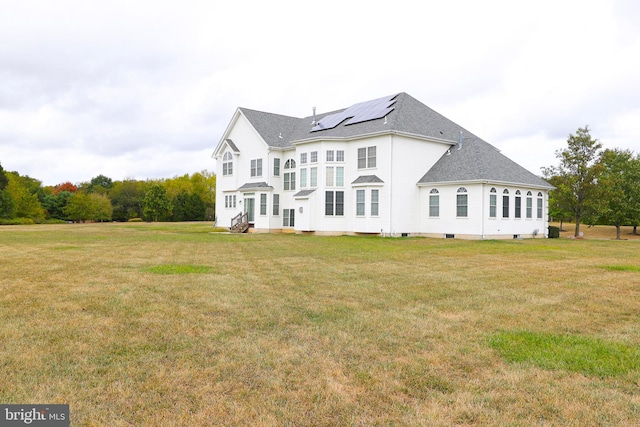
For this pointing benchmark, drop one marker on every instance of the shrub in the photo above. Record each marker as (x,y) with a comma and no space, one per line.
(134,220)
(554,232)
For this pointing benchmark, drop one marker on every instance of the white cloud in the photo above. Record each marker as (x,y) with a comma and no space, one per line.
(145,89)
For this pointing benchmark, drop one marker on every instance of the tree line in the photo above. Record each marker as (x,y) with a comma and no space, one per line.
(23,200)
(594,185)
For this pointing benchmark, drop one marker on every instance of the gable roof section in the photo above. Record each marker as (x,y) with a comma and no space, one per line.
(232,145)
(275,129)
(477,160)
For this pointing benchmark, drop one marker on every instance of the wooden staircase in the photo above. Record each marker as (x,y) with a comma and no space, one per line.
(240,223)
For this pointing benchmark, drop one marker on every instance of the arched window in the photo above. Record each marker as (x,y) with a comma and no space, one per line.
(529,205)
(505,203)
(227,164)
(518,204)
(539,210)
(493,203)
(434,203)
(289,177)
(462,202)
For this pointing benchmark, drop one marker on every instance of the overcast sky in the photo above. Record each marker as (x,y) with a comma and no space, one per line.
(145,89)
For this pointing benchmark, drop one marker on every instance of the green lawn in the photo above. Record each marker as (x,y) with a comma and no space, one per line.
(171,324)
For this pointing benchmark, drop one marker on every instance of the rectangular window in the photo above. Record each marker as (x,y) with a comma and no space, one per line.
(371,157)
(461,205)
(314,157)
(329,176)
(276,167)
(290,181)
(529,207)
(366,157)
(374,202)
(263,204)
(288,216)
(303,178)
(339,176)
(313,177)
(340,156)
(505,206)
(362,158)
(227,168)
(539,210)
(330,155)
(334,203)
(518,207)
(230,201)
(434,205)
(493,205)
(256,167)
(276,204)
(303,158)
(360,202)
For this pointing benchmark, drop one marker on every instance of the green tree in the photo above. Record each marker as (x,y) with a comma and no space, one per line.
(156,203)
(23,191)
(54,204)
(576,184)
(126,197)
(102,208)
(100,184)
(188,207)
(619,189)
(78,208)
(6,202)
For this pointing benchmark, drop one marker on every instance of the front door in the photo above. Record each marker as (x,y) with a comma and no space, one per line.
(249,208)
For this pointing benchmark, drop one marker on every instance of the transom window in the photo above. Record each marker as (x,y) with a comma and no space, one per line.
(303,158)
(339,155)
(366,157)
(227,164)
(330,155)
(314,157)
(462,202)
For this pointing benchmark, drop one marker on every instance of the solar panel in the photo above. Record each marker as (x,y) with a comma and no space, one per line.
(358,113)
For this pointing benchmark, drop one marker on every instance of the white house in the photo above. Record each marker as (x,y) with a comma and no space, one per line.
(390,166)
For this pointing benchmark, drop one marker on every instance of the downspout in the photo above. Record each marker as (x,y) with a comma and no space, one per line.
(482,209)
(391,189)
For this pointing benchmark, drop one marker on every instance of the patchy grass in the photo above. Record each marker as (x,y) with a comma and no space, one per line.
(622,267)
(307,330)
(178,269)
(586,355)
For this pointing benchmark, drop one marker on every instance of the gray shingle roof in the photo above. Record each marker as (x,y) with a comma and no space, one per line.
(477,160)
(367,179)
(255,186)
(232,145)
(303,193)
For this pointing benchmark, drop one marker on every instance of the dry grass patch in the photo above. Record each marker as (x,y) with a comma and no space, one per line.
(307,330)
